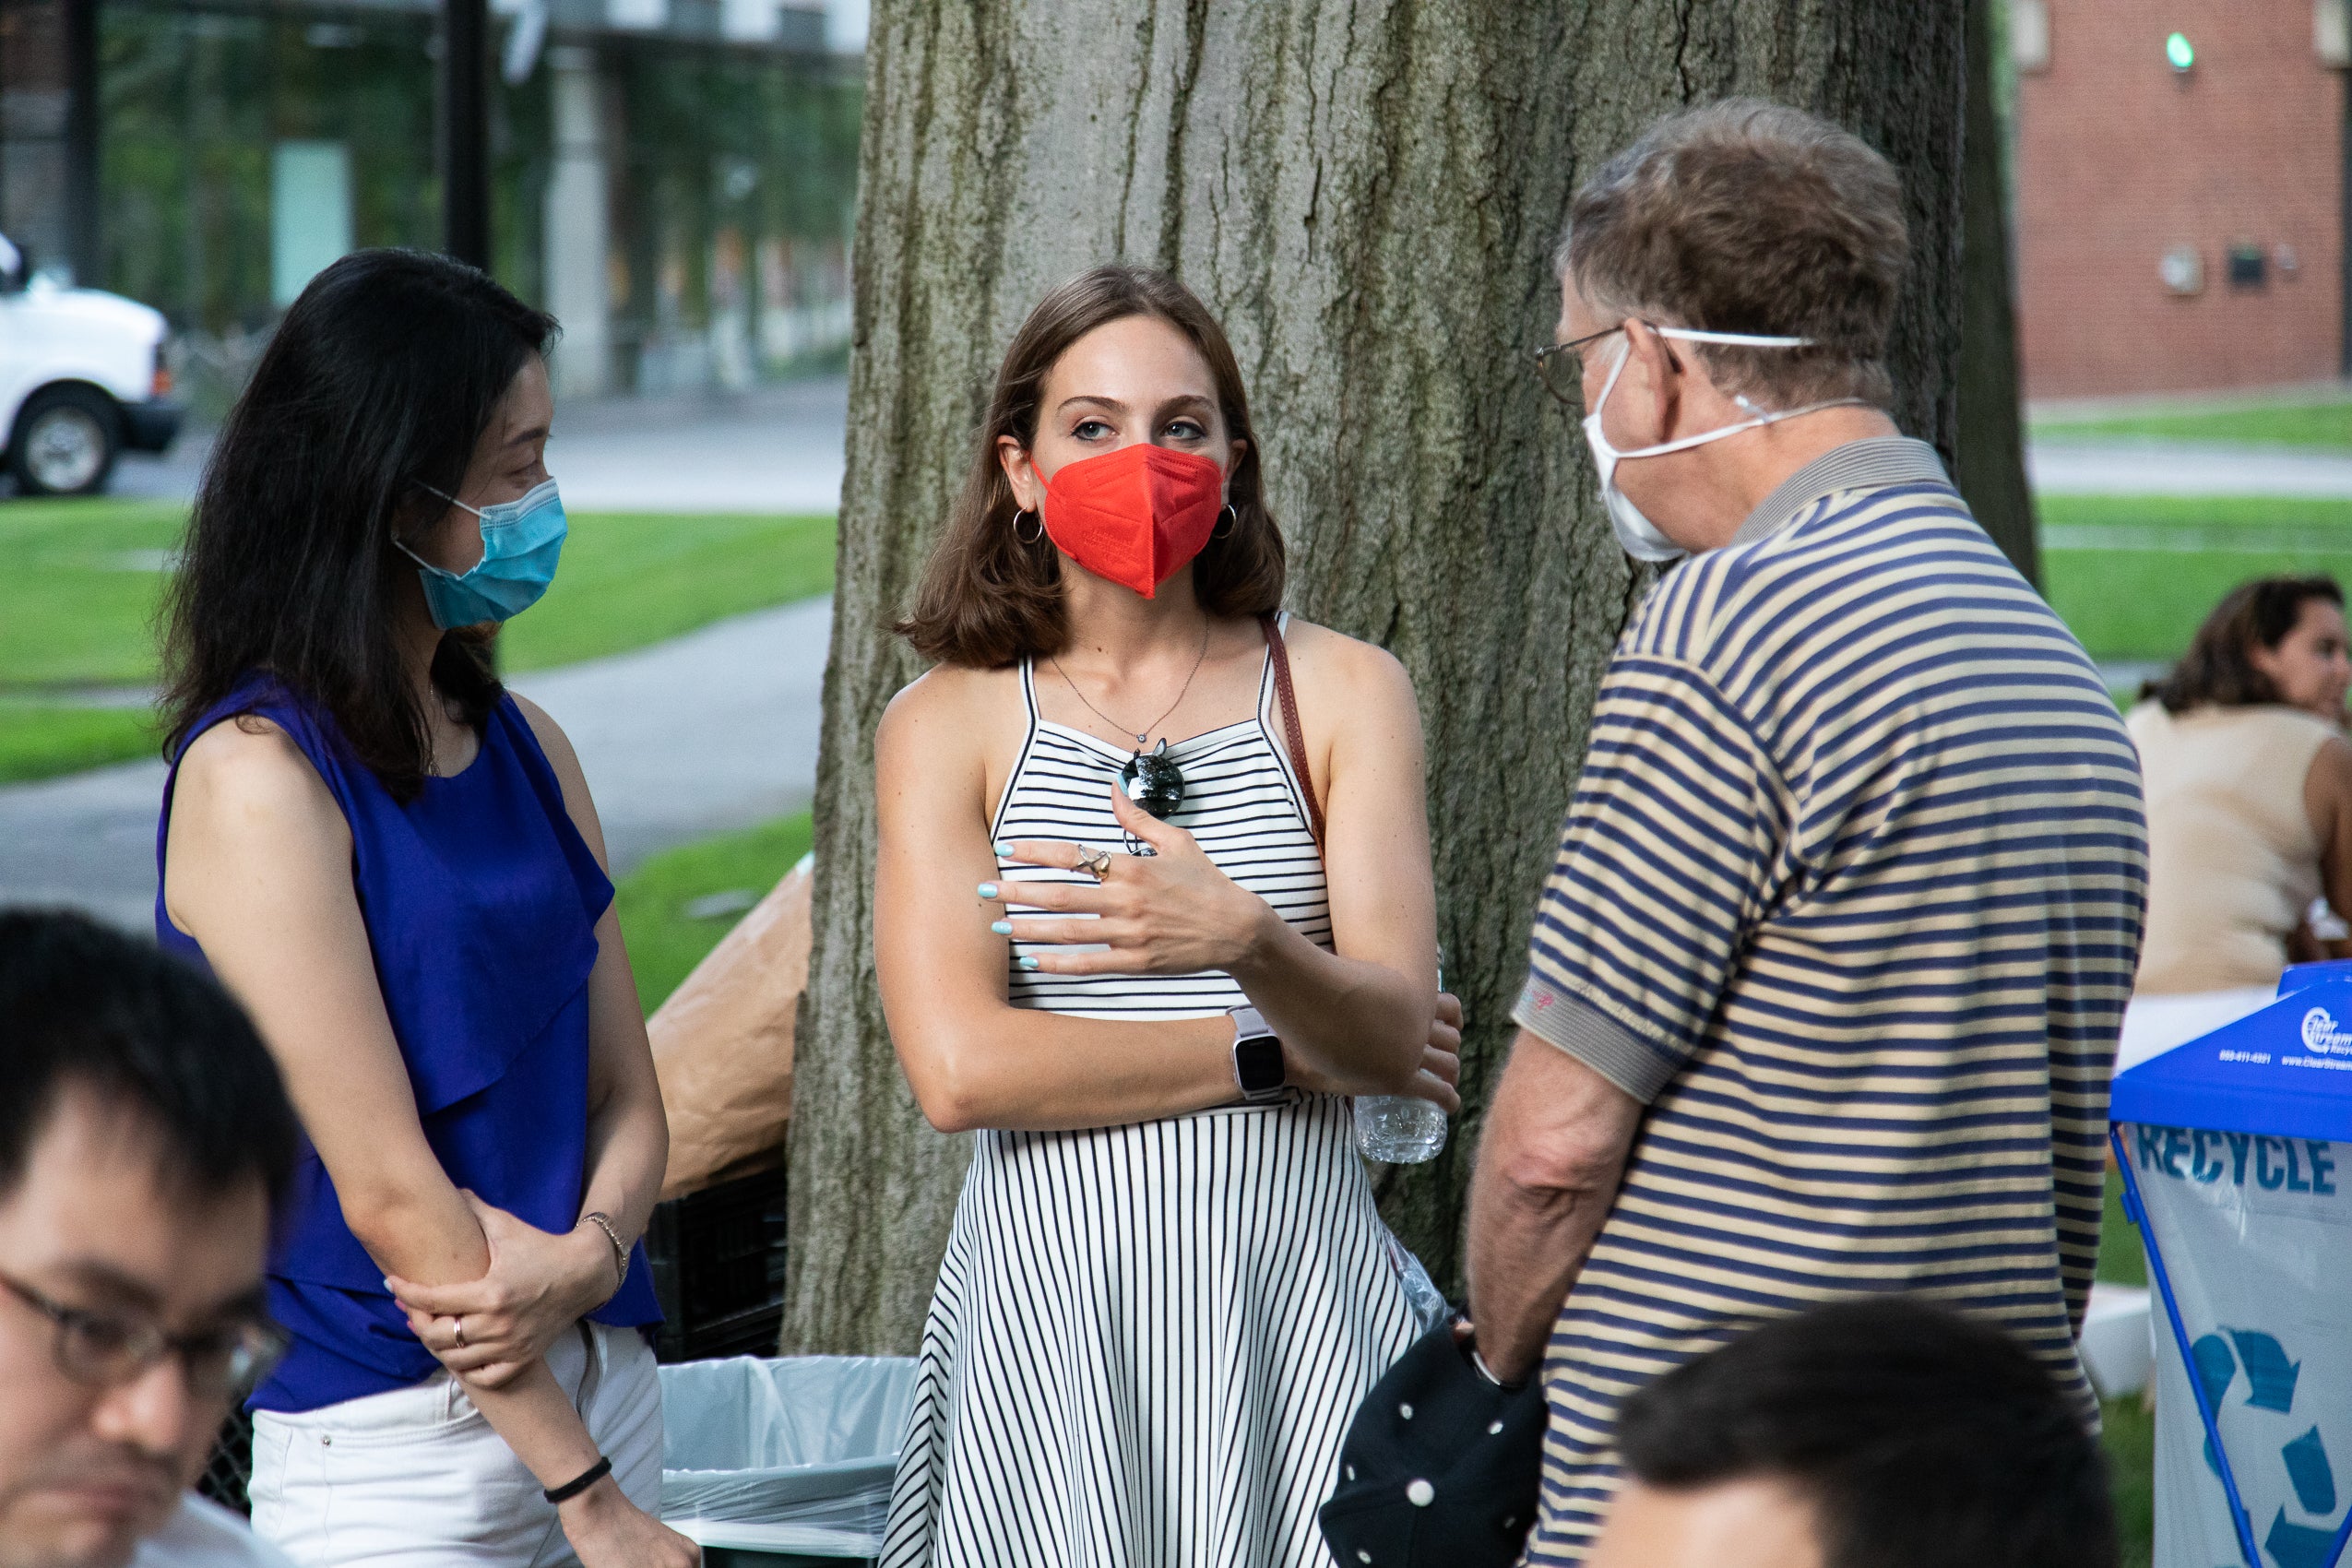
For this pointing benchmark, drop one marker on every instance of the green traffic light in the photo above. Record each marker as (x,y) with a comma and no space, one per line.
(2181,52)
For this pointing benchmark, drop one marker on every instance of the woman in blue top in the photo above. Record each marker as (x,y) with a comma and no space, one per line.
(396,865)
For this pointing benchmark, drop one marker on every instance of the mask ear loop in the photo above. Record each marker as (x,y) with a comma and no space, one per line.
(1037,521)
(402,545)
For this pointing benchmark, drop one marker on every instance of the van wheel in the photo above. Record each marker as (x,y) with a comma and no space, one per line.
(64,442)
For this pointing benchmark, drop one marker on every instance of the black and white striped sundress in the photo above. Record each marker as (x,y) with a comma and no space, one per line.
(1148,1341)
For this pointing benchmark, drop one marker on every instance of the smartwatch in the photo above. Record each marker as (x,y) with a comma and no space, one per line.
(1257,1056)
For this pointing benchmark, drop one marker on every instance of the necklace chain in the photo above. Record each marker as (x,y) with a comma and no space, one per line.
(1142,734)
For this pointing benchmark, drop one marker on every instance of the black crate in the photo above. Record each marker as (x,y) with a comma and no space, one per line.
(230,1466)
(717,1258)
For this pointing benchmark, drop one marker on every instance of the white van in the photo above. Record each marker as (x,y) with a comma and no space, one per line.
(81,378)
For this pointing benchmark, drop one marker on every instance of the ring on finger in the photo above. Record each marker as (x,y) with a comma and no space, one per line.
(1095,860)
(461,1332)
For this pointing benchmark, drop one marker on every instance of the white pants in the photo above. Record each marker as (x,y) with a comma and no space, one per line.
(417,1479)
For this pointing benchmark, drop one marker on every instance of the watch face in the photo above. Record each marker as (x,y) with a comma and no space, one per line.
(1257,1061)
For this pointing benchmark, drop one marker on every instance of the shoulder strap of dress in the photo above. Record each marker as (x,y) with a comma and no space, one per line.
(1288,696)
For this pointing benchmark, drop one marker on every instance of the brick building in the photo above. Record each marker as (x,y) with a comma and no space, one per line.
(2180,183)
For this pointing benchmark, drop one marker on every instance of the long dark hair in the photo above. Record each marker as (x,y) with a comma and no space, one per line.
(2218,668)
(379,382)
(987,598)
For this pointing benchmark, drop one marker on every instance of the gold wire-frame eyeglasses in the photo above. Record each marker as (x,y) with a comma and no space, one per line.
(1562,368)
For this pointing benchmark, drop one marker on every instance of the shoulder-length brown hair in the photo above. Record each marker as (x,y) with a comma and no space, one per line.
(2218,668)
(988,598)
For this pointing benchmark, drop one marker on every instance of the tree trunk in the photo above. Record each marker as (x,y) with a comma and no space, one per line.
(1990,469)
(1368,195)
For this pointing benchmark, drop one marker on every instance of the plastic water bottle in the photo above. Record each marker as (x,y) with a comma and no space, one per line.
(1401,1129)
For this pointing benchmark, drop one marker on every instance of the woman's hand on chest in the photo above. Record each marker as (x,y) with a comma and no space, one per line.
(1170,912)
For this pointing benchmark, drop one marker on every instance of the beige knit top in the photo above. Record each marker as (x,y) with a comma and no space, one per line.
(2233,860)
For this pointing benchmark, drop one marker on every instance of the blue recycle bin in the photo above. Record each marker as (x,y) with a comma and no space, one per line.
(2236,1150)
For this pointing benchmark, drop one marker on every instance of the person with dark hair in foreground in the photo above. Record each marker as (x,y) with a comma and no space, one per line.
(397,865)
(144,1141)
(1883,1432)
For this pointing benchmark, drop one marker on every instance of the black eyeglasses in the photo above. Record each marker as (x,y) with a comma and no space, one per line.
(1563,366)
(109,1350)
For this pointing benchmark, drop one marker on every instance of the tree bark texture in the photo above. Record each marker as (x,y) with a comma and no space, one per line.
(1368,193)
(1990,469)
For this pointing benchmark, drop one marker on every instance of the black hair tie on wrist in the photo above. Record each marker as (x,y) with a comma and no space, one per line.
(572,1489)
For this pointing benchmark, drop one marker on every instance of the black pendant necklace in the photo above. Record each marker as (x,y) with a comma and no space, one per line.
(1153,782)
(1150,780)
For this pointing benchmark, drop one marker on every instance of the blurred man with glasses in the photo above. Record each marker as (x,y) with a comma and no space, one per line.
(144,1141)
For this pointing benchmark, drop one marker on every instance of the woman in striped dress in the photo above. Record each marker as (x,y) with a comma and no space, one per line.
(1167,1287)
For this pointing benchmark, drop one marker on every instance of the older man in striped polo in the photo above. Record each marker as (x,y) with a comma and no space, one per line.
(1828,972)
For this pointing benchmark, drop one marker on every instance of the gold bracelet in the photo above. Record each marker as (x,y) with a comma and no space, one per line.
(620,1253)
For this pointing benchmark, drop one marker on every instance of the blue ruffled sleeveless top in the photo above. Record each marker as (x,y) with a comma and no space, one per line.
(480,900)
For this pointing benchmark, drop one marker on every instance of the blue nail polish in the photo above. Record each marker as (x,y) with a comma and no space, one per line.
(988,890)
(1004,852)
(1026,963)
(1002,927)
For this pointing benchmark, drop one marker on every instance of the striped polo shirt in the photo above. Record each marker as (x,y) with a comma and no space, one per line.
(1849,897)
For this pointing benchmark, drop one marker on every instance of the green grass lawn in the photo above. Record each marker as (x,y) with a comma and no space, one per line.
(80,582)
(2134,575)
(2321,424)
(628,580)
(79,587)
(2130,1428)
(39,740)
(2130,1439)
(665,942)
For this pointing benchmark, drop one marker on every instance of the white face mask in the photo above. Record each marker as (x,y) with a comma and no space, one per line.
(1639,536)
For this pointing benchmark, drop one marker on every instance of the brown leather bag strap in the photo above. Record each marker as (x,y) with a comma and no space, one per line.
(1288,696)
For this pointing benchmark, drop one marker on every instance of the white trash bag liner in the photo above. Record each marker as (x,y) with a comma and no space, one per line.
(2236,1149)
(790,1455)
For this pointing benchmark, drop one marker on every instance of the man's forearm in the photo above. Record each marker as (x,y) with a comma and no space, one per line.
(1527,1249)
(1550,1160)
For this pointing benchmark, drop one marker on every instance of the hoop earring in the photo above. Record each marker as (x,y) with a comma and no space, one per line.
(1028,539)
(1226,523)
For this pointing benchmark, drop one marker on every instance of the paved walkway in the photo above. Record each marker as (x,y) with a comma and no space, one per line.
(770,449)
(2165,468)
(717,729)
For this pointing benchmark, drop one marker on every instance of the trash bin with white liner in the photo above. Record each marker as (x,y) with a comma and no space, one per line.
(2236,1150)
(2116,1342)
(786,1461)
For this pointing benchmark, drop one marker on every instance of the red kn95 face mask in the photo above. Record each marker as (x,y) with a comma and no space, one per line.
(1137,515)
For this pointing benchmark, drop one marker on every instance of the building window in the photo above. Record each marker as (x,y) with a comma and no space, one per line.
(2249,266)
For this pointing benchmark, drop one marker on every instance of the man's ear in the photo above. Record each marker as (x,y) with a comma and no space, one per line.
(1656,371)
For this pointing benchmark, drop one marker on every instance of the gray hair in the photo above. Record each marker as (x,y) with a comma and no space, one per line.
(1744,216)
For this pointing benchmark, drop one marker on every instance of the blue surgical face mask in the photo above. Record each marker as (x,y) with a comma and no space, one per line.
(521,541)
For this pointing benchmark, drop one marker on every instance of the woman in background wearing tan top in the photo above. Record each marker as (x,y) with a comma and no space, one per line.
(2249,781)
